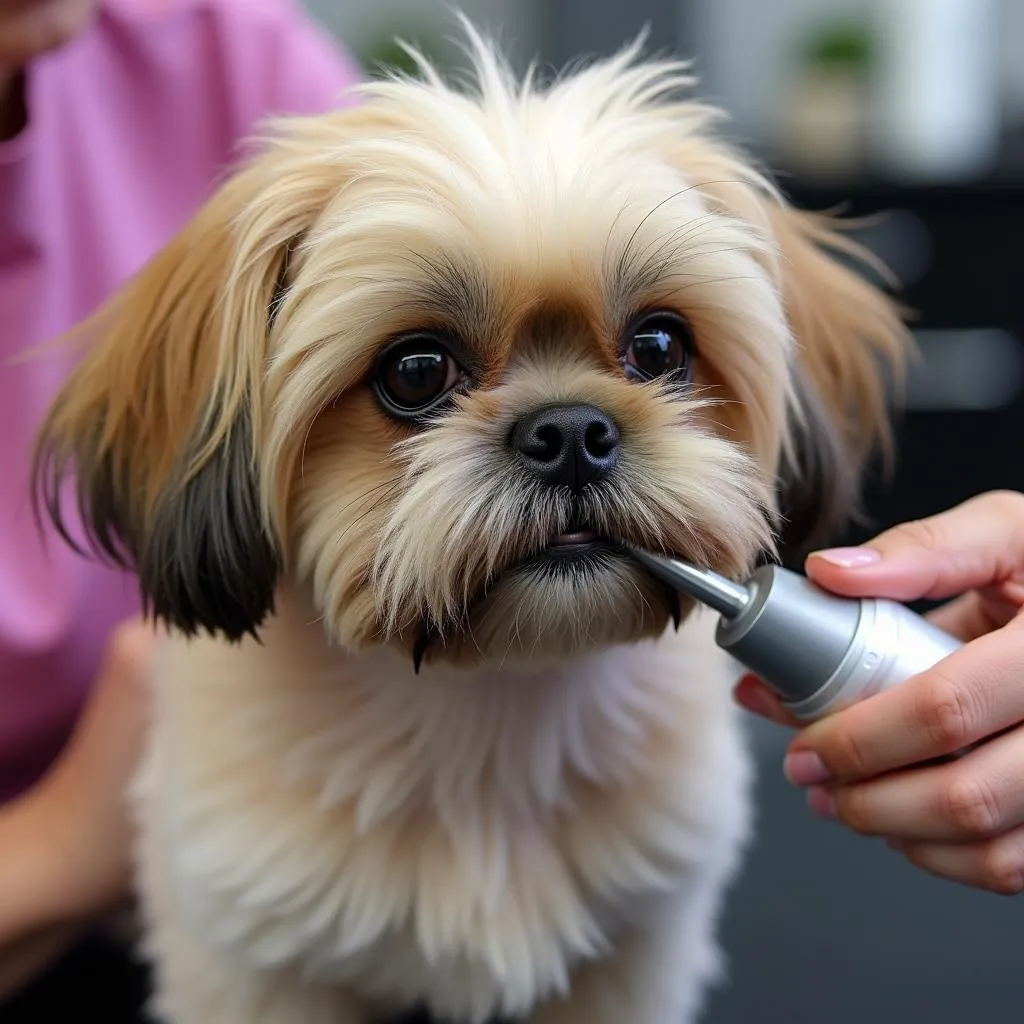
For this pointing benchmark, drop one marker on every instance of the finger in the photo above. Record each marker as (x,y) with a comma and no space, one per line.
(971,694)
(996,865)
(976,613)
(751,694)
(965,617)
(969,546)
(976,797)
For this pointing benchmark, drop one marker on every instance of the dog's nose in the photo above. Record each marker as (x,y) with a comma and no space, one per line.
(568,445)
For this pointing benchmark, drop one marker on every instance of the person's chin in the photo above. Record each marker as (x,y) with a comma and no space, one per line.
(31,28)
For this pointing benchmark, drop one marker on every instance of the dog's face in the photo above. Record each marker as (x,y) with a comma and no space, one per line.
(437,356)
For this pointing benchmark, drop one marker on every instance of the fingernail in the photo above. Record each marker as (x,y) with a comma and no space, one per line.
(849,558)
(822,802)
(805,768)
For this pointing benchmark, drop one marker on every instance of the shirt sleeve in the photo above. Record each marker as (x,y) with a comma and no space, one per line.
(279,61)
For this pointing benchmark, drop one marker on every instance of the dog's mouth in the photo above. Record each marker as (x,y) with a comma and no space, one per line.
(573,539)
(576,552)
(577,542)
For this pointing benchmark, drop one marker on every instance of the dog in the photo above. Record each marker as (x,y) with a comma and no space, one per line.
(373,432)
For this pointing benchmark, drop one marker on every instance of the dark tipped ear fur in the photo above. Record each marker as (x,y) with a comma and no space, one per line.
(158,423)
(203,558)
(207,563)
(820,483)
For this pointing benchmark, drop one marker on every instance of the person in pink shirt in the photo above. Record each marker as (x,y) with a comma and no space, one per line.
(117,118)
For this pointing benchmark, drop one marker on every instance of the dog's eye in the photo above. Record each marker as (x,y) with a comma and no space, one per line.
(415,375)
(658,345)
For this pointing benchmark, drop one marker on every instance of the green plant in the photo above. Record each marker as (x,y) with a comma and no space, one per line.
(845,46)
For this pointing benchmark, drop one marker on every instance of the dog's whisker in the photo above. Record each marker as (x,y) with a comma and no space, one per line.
(627,250)
(674,242)
(379,499)
(386,484)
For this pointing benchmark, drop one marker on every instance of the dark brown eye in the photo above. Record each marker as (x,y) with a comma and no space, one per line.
(658,345)
(416,374)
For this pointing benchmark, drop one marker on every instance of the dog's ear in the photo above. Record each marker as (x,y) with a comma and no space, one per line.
(161,419)
(819,483)
(852,345)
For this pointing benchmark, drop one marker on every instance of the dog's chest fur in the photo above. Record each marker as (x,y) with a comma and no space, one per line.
(461,838)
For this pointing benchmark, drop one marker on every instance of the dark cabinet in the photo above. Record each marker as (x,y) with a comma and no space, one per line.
(958,253)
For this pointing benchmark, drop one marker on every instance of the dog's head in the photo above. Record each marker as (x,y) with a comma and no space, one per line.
(435,355)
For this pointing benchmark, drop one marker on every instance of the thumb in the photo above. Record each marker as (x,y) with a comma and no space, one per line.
(976,544)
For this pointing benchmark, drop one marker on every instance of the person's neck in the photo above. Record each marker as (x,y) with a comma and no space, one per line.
(12,102)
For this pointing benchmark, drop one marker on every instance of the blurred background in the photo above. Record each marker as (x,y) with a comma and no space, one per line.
(913,109)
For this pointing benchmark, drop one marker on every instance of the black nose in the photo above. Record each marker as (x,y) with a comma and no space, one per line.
(568,445)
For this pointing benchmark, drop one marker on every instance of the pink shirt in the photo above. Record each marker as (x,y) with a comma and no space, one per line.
(129,126)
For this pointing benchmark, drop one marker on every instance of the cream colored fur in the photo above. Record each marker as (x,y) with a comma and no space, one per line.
(543,823)
(354,837)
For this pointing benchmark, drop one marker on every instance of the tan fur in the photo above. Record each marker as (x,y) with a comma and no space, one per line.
(174,355)
(544,822)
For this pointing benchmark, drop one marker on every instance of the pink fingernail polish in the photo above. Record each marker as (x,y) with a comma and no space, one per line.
(805,768)
(849,558)
(822,802)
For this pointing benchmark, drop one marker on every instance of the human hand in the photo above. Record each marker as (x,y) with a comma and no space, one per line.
(875,766)
(80,806)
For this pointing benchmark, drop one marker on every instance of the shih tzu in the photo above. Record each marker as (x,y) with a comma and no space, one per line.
(370,432)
